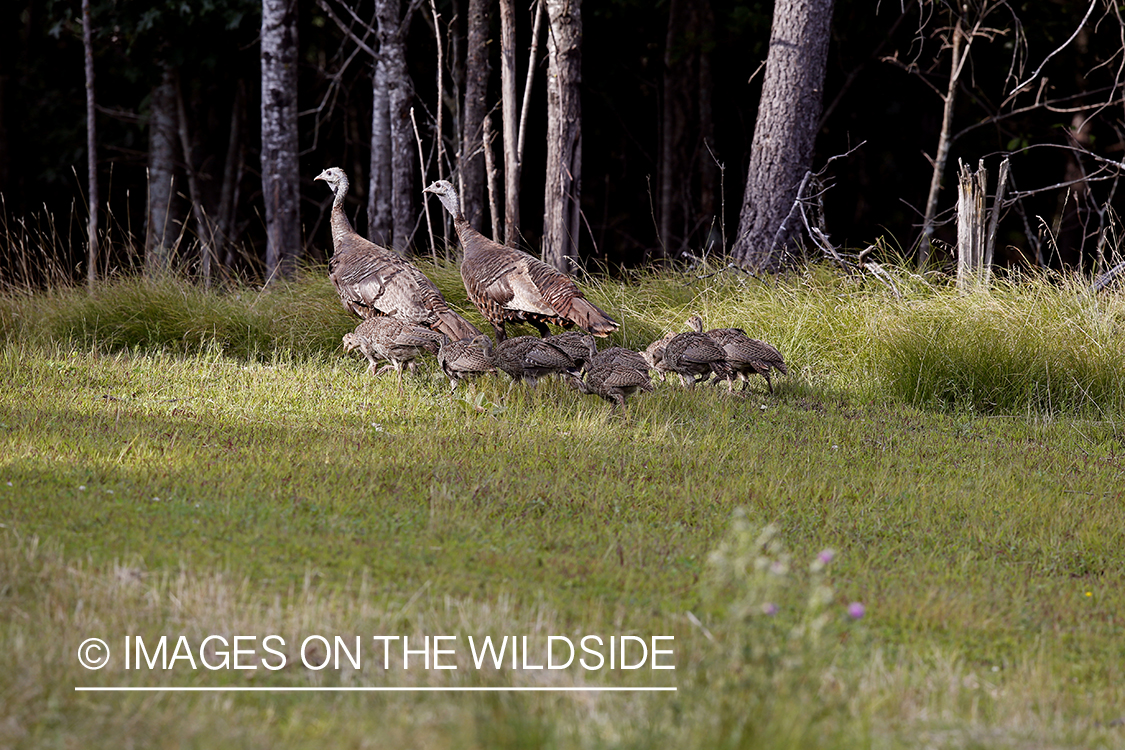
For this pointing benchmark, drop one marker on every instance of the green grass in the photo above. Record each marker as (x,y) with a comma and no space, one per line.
(182,462)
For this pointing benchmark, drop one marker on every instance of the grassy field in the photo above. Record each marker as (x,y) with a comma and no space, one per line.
(187,463)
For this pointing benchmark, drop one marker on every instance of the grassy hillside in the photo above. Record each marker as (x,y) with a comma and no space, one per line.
(178,462)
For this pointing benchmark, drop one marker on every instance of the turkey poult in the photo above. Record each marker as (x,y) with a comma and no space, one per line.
(467,358)
(654,354)
(745,355)
(528,358)
(580,346)
(510,286)
(694,357)
(373,280)
(619,356)
(394,340)
(614,376)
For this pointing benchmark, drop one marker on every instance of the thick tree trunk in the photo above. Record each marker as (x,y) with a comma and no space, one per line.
(91,149)
(476,94)
(160,224)
(510,121)
(379,220)
(564,145)
(280,168)
(785,132)
(400,97)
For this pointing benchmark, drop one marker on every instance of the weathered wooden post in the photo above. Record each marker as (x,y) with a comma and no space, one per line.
(971,190)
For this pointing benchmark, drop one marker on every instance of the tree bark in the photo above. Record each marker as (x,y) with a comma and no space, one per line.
(510,123)
(785,132)
(91,149)
(205,234)
(280,168)
(564,144)
(476,95)
(400,97)
(232,178)
(379,219)
(160,231)
(944,141)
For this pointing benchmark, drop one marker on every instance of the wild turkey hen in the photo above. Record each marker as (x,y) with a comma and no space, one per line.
(373,280)
(510,286)
(394,340)
(745,355)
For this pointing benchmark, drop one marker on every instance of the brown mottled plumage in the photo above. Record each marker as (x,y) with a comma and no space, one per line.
(627,357)
(694,356)
(510,286)
(394,340)
(580,346)
(654,354)
(614,375)
(373,280)
(528,358)
(746,356)
(467,358)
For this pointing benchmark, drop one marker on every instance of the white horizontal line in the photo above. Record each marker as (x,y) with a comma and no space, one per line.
(371,689)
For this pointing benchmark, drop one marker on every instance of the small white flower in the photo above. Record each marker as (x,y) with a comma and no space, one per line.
(82,487)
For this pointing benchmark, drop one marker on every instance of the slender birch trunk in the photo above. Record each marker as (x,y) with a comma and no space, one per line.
(944,141)
(160,230)
(564,128)
(91,149)
(400,98)
(476,95)
(379,219)
(510,121)
(280,168)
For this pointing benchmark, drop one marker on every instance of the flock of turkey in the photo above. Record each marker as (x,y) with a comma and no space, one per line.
(405,315)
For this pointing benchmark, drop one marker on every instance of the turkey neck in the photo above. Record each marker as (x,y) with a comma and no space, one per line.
(341,227)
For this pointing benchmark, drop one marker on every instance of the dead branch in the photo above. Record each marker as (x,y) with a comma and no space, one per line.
(1072,37)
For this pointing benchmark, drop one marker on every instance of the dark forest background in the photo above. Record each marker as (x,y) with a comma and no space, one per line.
(886,70)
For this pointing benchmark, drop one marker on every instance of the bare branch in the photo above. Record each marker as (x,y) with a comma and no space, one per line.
(1035,75)
(361,43)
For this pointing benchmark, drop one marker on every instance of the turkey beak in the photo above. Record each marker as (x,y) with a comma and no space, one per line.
(321,176)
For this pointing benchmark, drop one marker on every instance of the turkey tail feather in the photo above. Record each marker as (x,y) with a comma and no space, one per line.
(454,326)
(590,317)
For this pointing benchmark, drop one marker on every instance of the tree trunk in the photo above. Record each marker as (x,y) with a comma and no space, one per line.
(160,230)
(91,149)
(280,168)
(400,97)
(205,234)
(476,94)
(944,140)
(232,177)
(379,220)
(510,121)
(708,169)
(564,145)
(785,132)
